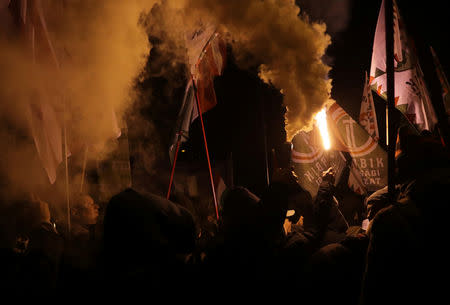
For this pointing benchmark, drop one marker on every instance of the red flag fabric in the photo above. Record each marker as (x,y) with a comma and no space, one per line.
(209,63)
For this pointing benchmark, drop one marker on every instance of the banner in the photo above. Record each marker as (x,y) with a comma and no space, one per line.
(309,159)
(347,135)
(411,95)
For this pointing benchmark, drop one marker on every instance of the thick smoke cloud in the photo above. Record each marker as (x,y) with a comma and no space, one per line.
(289,47)
(101,48)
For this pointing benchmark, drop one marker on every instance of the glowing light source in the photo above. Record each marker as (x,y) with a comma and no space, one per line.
(321,122)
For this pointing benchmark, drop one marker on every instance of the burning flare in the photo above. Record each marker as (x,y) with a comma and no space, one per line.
(321,122)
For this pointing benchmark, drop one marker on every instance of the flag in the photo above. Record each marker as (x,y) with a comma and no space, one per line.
(411,95)
(45,127)
(207,56)
(347,135)
(444,82)
(310,160)
(367,115)
(210,64)
(369,168)
(220,187)
(355,179)
(47,136)
(196,43)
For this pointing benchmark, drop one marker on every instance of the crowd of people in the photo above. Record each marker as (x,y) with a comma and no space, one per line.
(310,249)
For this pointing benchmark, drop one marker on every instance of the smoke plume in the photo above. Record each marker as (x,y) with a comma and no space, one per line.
(289,47)
(101,47)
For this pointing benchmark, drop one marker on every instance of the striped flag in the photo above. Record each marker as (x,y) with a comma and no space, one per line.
(369,168)
(309,159)
(347,135)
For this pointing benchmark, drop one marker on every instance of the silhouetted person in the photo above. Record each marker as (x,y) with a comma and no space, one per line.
(406,260)
(147,240)
(37,251)
(80,268)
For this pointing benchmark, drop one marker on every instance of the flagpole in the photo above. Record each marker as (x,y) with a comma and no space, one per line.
(391,130)
(206,146)
(174,163)
(67,171)
(266,158)
(179,135)
(83,172)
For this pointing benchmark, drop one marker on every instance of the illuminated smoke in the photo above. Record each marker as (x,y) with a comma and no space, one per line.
(102,48)
(289,47)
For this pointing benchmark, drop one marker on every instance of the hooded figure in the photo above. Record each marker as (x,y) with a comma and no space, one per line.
(147,239)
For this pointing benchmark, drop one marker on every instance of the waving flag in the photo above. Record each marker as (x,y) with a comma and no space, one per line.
(369,168)
(309,159)
(210,64)
(411,94)
(44,124)
(47,135)
(207,56)
(367,115)
(348,135)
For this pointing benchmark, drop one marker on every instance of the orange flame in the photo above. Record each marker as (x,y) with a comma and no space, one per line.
(321,122)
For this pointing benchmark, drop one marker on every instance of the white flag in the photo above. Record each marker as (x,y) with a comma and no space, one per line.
(47,135)
(411,94)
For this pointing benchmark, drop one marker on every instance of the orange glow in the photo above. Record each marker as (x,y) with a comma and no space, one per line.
(321,122)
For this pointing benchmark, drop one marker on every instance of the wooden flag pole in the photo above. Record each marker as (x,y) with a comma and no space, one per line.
(391,130)
(206,147)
